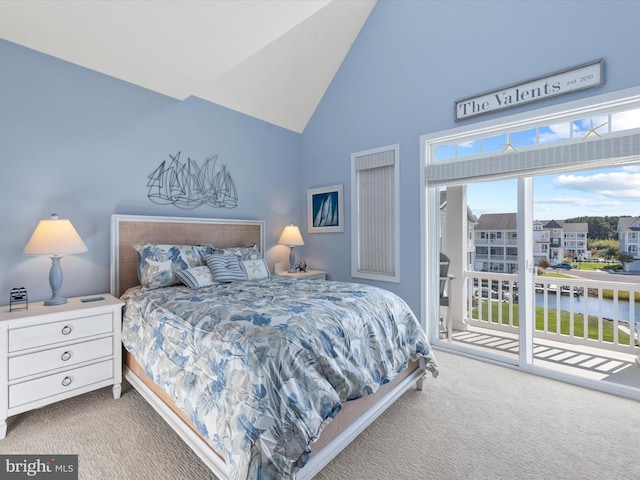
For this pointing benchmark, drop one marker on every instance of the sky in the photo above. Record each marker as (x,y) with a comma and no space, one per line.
(613,191)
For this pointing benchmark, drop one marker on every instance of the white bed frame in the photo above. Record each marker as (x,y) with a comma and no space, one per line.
(201,448)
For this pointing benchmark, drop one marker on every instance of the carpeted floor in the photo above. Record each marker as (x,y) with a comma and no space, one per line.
(475,421)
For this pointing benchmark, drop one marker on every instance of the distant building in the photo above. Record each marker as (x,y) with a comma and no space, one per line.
(575,239)
(629,239)
(496,242)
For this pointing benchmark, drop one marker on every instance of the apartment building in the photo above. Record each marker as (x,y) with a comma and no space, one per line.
(629,240)
(496,242)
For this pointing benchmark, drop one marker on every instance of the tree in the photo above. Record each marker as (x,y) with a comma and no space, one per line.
(598,247)
(624,258)
(544,263)
(610,253)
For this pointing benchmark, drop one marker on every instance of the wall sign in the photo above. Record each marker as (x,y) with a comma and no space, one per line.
(572,79)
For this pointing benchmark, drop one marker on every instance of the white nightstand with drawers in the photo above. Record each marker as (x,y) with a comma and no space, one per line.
(309,274)
(51,353)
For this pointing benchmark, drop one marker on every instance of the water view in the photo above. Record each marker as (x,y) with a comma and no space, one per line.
(591,306)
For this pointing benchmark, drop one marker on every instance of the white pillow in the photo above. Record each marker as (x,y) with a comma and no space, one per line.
(256,269)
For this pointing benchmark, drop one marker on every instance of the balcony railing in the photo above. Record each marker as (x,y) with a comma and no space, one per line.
(574,311)
(495,241)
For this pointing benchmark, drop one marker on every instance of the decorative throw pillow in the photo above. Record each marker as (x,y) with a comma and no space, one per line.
(157,263)
(226,268)
(256,269)
(245,253)
(196,277)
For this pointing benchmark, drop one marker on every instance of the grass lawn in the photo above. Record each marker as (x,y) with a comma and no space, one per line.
(597,266)
(578,322)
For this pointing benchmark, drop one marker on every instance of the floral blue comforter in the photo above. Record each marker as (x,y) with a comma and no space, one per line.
(262,366)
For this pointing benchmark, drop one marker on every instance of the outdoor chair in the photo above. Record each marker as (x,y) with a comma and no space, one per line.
(445,323)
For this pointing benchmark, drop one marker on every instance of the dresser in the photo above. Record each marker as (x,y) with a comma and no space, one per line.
(51,353)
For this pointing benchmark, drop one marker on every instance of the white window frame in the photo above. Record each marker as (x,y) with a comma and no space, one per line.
(355,218)
(590,106)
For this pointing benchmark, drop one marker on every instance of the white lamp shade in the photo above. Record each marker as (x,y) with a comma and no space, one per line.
(54,237)
(291,236)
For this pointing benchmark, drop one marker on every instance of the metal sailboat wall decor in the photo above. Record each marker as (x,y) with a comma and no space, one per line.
(188,185)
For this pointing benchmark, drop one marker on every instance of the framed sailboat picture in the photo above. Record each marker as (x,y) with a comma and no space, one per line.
(325,209)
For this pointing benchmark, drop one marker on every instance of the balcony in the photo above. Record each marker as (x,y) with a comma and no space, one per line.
(586,327)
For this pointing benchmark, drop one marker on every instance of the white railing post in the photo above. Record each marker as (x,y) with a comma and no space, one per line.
(526,268)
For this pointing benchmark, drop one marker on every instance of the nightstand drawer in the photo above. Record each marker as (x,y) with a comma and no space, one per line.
(48,386)
(23,365)
(63,331)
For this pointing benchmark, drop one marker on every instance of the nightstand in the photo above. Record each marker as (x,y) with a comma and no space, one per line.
(309,274)
(51,353)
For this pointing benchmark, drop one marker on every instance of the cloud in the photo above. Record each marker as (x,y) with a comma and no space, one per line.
(568,207)
(625,120)
(577,201)
(619,184)
(553,133)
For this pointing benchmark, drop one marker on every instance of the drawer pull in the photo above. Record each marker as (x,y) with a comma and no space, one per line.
(66,381)
(65,356)
(66,330)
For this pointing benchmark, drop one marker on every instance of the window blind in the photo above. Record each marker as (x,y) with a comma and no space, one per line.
(614,150)
(375,202)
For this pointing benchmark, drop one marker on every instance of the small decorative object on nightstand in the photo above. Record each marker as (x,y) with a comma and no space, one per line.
(18,299)
(309,274)
(51,353)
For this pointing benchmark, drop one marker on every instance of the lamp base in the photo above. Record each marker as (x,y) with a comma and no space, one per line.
(55,300)
(55,281)
(292,260)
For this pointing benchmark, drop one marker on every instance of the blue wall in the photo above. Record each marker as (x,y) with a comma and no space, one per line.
(409,64)
(82,144)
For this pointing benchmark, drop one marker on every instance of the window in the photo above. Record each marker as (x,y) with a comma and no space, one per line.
(570,137)
(375,203)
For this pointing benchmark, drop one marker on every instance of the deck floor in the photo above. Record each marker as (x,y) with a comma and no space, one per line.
(594,363)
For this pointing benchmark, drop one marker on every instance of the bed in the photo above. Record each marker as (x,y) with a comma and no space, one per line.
(256,375)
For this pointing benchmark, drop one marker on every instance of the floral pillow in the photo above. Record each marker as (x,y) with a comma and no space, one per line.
(245,253)
(226,268)
(157,263)
(256,269)
(196,277)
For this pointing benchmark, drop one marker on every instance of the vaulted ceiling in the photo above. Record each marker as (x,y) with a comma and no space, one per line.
(271,59)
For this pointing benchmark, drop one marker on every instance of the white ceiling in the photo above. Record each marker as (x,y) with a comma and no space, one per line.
(271,59)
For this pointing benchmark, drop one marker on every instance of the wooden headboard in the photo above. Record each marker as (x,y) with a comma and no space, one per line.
(128,230)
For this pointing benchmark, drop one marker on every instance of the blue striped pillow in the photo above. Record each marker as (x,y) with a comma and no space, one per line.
(226,268)
(196,277)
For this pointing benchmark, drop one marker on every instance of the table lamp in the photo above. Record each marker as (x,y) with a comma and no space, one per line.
(291,237)
(55,237)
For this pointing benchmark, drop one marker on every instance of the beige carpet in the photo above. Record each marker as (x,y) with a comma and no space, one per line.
(475,421)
